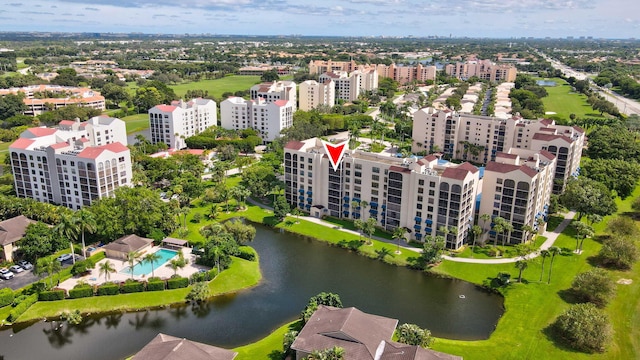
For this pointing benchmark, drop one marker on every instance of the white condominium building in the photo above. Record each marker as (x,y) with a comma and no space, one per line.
(271,92)
(517,186)
(172,124)
(421,195)
(312,94)
(73,165)
(349,85)
(268,118)
(480,138)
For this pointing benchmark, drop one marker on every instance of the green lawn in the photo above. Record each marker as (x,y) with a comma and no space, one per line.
(4,150)
(564,102)
(218,86)
(272,344)
(136,122)
(241,274)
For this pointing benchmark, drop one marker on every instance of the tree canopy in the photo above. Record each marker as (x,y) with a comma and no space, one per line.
(586,196)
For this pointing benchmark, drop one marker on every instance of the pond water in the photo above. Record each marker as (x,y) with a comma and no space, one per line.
(294,269)
(546,82)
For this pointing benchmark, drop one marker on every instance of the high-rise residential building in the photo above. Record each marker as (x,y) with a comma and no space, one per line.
(348,86)
(268,118)
(483,69)
(421,195)
(517,187)
(172,124)
(312,94)
(480,138)
(317,67)
(278,90)
(74,164)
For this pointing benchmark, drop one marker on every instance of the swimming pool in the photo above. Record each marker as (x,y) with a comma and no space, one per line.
(144,267)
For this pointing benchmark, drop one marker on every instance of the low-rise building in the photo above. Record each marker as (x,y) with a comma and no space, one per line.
(38,98)
(483,69)
(172,124)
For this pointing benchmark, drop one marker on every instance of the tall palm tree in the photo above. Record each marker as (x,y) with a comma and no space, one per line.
(106,269)
(476,231)
(399,234)
(68,228)
(527,230)
(369,228)
(355,205)
(544,254)
(359,225)
(521,265)
(217,252)
(364,204)
(583,231)
(485,218)
(554,250)
(152,258)
(133,257)
(86,222)
(47,266)
(445,233)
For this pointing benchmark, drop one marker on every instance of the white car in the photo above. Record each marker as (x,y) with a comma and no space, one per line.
(16,269)
(25,264)
(6,274)
(64,257)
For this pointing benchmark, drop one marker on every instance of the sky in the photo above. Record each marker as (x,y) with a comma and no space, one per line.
(458,18)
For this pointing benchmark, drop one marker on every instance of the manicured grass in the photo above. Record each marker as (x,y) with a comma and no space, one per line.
(136,122)
(4,313)
(218,86)
(348,224)
(483,252)
(241,274)
(564,102)
(272,344)
(4,150)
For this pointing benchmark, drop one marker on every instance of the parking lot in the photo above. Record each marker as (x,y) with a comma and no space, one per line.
(27,277)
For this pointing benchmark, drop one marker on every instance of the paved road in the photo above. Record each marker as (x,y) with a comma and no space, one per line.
(27,277)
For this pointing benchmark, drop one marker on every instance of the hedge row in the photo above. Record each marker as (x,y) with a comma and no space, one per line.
(132,287)
(81,292)
(6,297)
(52,295)
(23,306)
(108,289)
(177,283)
(156,285)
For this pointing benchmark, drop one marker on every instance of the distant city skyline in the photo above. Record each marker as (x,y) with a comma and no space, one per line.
(420,18)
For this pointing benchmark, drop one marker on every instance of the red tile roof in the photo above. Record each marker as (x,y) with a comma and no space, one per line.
(547,154)
(399,169)
(578,129)
(506,155)
(550,137)
(66,122)
(94,152)
(42,131)
(21,143)
(507,168)
(431,158)
(294,145)
(459,172)
(546,121)
(166,108)
(59,145)
(281,103)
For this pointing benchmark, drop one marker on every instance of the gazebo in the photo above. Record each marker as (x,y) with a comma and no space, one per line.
(174,244)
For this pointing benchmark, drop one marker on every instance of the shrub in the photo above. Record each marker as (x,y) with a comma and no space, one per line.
(247,254)
(6,297)
(583,327)
(412,334)
(132,287)
(22,307)
(177,283)
(156,285)
(35,288)
(82,267)
(199,277)
(52,295)
(81,292)
(199,292)
(18,299)
(619,252)
(108,289)
(213,273)
(594,286)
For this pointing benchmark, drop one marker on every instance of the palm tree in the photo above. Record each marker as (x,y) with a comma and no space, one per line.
(476,231)
(47,266)
(68,228)
(527,230)
(369,228)
(521,265)
(445,233)
(582,232)
(359,225)
(86,222)
(364,204)
(399,234)
(133,258)
(106,269)
(544,254)
(554,250)
(485,218)
(152,258)
(217,251)
(355,206)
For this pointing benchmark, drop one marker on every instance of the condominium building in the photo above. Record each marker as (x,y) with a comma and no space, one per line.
(348,86)
(278,90)
(407,73)
(480,138)
(38,98)
(422,195)
(268,118)
(517,186)
(312,94)
(74,164)
(172,124)
(483,69)
(317,67)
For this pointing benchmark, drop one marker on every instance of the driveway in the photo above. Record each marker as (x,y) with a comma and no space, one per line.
(26,278)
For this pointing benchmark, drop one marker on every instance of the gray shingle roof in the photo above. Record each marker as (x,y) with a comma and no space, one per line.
(166,347)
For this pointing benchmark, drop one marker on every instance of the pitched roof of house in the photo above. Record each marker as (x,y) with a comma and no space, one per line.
(21,143)
(12,230)
(507,168)
(358,333)
(128,243)
(166,347)
(459,172)
(294,145)
(95,151)
(41,131)
(392,350)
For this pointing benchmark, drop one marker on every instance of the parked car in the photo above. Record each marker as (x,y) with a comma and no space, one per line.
(6,274)
(16,269)
(64,257)
(25,264)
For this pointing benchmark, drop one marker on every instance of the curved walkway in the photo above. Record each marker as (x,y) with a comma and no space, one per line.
(550,235)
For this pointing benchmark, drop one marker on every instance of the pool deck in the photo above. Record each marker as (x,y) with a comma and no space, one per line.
(163,271)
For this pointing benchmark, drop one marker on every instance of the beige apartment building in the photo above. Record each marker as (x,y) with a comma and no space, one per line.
(483,69)
(313,93)
(348,86)
(480,138)
(517,186)
(408,73)
(421,195)
(274,91)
